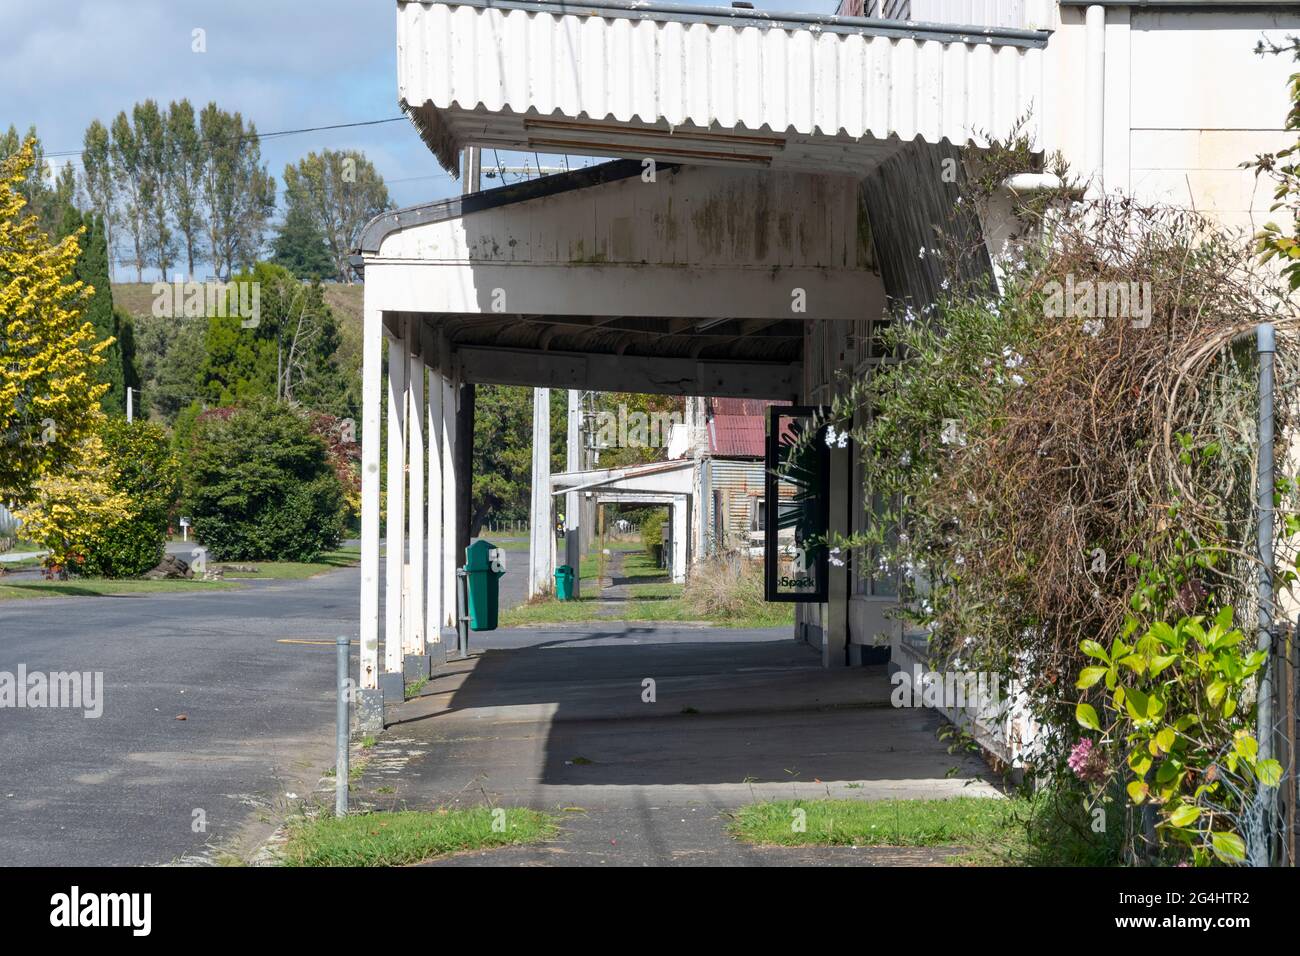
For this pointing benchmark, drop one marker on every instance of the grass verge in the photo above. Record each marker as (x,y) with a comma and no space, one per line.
(409,836)
(1033,831)
(119,587)
(103,587)
(548,610)
(983,824)
(683,609)
(290,570)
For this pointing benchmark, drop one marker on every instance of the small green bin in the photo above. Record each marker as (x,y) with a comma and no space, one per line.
(564,582)
(483,570)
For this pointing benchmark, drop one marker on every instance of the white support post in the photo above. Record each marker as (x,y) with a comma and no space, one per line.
(573,462)
(449,562)
(680,513)
(396,533)
(415,457)
(1094,97)
(434,595)
(371,384)
(541,538)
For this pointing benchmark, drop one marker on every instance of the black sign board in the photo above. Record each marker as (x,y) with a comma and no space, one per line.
(797,490)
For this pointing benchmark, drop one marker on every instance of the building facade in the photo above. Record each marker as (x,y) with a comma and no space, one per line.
(773,184)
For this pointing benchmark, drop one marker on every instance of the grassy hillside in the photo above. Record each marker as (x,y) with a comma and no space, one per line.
(345,300)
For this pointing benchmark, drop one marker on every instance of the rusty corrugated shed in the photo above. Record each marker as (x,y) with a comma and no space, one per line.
(737,490)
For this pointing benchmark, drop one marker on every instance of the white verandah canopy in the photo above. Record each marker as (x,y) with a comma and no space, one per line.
(694,266)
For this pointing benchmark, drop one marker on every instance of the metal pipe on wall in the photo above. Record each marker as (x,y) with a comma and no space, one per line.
(1095,95)
(1266,346)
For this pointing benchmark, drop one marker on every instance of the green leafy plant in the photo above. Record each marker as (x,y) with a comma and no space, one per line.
(1282,242)
(652,531)
(144,469)
(1170,699)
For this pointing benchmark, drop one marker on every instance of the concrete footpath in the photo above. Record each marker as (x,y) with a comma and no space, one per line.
(643,737)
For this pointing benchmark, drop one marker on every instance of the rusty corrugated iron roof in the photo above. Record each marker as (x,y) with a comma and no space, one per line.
(736,436)
(738,426)
(741,406)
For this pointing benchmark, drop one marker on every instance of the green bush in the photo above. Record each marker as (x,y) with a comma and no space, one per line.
(260,487)
(652,531)
(145,469)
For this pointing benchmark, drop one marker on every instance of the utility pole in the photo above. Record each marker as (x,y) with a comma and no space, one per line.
(130,406)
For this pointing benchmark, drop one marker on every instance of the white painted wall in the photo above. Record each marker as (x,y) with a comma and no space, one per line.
(699,216)
(1187,100)
(700,241)
(1024,14)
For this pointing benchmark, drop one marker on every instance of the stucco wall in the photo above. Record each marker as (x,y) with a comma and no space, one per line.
(1187,100)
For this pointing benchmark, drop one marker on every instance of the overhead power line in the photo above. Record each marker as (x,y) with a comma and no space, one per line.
(260,136)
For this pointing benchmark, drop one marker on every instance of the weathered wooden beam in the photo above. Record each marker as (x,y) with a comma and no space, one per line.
(624,373)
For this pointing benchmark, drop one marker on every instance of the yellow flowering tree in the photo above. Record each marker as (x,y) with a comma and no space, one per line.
(69,511)
(49,356)
(52,461)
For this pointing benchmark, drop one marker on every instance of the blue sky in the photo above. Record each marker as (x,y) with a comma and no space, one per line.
(284,64)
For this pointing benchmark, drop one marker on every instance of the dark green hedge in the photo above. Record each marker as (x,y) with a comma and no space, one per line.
(259,487)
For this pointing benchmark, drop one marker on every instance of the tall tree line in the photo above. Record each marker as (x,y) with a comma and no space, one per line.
(329,197)
(178,185)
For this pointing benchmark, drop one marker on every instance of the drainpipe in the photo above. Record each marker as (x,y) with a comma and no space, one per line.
(1095,95)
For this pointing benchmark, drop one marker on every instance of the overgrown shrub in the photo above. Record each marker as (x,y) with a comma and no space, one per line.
(143,468)
(726,586)
(1060,473)
(260,486)
(652,531)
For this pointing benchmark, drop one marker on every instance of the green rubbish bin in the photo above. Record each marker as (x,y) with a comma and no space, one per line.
(484,565)
(564,582)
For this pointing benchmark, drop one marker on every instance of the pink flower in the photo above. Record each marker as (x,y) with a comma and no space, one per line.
(1088,762)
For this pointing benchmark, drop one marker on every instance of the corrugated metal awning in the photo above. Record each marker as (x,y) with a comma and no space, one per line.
(704,85)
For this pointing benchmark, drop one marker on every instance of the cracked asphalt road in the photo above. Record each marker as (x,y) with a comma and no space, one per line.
(130,786)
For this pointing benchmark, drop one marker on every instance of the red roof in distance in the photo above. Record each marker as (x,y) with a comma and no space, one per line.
(738,426)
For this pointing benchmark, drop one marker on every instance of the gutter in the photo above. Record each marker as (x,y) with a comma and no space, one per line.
(385,224)
(741,17)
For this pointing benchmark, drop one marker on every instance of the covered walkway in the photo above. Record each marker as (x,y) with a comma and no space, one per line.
(770,182)
(554,718)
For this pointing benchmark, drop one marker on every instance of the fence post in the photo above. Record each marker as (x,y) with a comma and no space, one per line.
(1261,849)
